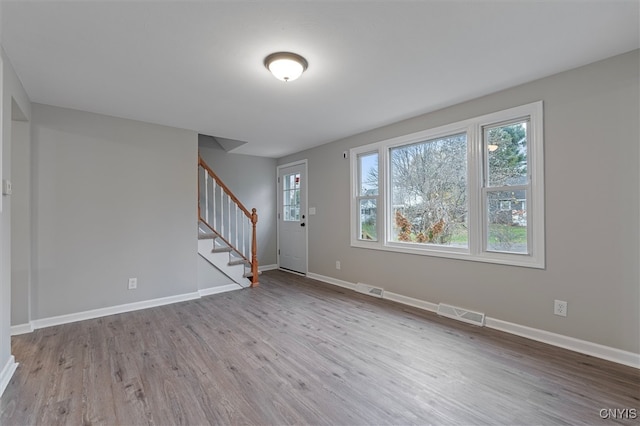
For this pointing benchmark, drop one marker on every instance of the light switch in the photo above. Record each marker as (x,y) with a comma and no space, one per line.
(312,211)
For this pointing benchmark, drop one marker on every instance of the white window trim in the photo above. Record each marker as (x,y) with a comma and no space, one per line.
(475,158)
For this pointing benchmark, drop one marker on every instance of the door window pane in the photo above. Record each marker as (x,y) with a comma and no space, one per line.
(291,197)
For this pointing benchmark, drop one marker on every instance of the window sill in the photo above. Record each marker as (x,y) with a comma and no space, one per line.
(520,260)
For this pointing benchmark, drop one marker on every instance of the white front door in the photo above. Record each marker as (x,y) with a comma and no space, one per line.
(292,217)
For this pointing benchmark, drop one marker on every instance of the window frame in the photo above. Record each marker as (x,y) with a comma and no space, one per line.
(477,190)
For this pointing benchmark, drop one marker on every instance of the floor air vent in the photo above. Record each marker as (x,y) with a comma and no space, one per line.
(475,318)
(370,290)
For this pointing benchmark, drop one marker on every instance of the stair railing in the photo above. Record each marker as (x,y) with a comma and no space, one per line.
(227,218)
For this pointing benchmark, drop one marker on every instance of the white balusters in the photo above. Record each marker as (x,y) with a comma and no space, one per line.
(235,216)
(227,221)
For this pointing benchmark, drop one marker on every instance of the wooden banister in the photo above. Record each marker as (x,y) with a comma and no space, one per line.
(252,216)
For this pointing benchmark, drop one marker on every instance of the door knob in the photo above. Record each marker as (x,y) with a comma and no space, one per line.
(302,224)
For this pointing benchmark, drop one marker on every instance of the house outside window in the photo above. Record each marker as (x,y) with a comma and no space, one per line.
(469,190)
(367,196)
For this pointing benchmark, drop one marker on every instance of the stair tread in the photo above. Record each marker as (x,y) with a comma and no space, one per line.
(221,250)
(206,236)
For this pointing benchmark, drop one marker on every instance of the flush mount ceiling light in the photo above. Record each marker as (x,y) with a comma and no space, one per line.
(285,66)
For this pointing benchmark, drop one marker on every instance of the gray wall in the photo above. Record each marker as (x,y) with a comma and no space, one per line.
(12,91)
(20,221)
(253,181)
(113,199)
(592,157)
(209,276)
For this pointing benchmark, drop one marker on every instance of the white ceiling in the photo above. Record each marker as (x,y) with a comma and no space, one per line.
(198,65)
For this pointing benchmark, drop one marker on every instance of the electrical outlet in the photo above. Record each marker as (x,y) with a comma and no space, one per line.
(337,264)
(133,283)
(560,308)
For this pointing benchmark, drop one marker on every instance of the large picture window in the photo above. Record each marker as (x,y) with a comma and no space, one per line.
(469,190)
(428,184)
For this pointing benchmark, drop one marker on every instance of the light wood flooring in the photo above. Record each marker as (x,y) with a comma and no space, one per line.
(297,351)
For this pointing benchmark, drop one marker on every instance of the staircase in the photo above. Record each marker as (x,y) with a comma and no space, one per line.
(226,229)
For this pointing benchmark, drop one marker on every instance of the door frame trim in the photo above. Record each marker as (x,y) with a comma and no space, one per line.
(305,185)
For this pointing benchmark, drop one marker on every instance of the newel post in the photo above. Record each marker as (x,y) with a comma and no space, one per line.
(254,249)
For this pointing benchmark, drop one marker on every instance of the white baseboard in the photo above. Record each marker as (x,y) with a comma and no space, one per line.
(262,268)
(220,289)
(582,346)
(21,329)
(119,309)
(7,372)
(330,280)
(406,300)
(588,348)
(112,310)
